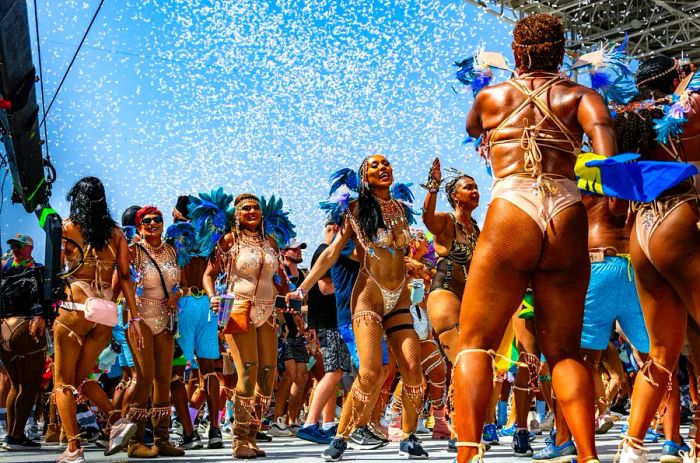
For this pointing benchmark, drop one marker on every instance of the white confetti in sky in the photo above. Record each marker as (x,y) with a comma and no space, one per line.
(170,97)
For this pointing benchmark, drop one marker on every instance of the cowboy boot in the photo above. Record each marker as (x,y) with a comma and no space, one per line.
(137,447)
(160,418)
(244,414)
(261,404)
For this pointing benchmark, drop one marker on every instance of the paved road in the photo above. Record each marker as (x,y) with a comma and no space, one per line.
(291,450)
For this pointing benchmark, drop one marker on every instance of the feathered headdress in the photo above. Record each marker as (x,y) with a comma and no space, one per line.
(211,217)
(475,72)
(183,238)
(277,223)
(610,72)
(670,125)
(345,187)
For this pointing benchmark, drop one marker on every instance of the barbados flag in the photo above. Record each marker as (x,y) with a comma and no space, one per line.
(624,177)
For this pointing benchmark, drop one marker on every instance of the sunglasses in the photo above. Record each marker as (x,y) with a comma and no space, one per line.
(148,220)
(16,245)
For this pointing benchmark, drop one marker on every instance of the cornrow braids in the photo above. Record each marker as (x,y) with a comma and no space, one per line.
(635,127)
(451,187)
(370,213)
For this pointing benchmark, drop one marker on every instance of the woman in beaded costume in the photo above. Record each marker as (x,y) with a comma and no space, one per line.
(250,260)
(380,304)
(95,248)
(152,343)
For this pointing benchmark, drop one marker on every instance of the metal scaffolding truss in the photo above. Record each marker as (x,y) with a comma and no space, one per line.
(654,26)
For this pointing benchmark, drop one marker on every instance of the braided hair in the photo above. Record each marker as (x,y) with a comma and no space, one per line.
(538,43)
(635,127)
(89,210)
(370,213)
(451,187)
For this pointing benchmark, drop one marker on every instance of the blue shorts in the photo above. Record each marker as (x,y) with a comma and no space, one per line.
(119,334)
(612,295)
(349,338)
(197,325)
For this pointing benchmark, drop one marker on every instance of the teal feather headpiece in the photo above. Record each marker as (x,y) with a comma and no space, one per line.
(277,222)
(211,216)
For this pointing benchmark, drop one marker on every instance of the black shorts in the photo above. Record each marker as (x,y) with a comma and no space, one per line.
(295,349)
(335,352)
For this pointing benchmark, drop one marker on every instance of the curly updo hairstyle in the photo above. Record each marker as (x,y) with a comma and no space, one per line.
(635,127)
(88,210)
(538,43)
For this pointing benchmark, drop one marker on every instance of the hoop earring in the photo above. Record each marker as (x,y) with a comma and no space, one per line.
(237,224)
(529,60)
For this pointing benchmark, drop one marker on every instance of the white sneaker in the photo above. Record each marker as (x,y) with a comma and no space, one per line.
(3,431)
(420,428)
(71,457)
(631,455)
(279,428)
(688,457)
(691,432)
(31,431)
(535,427)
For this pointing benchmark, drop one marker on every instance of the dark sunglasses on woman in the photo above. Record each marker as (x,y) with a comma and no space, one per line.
(156,219)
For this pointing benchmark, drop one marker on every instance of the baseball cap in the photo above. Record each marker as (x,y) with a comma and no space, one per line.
(295,243)
(24,240)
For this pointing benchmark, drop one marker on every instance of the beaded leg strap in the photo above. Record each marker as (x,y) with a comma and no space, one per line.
(358,403)
(161,412)
(368,317)
(431,362)
(137,413)
(629,441)
(491,353)
(646,375)
(522,389)
(81,396)
(415,394)
(177,378)
(244,409)
(533,369)
(123,384)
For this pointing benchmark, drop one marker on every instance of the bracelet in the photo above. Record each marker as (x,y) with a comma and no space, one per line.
(135,319)
(432,185)
(301,291)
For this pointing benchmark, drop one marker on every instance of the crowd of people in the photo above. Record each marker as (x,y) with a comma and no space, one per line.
(561,313)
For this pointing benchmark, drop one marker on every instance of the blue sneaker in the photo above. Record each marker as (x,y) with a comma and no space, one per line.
(651,436)
(508,432)
(314,434)
(563,453)
(490,434)
(521,444)
(670,452)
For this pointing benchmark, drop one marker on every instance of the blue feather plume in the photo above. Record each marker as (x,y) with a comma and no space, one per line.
(277,222)
(211,217)
(612,76)
(129,232)
(471,76)
(694,84)
(671,124)
(183,238)
(344,177)
(402,193)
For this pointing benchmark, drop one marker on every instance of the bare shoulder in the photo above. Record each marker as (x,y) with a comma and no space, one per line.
(226,242)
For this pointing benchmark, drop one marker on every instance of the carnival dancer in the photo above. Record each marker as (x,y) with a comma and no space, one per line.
(665,242)
(198,335)
(250,260)
(95,247)
(380,228)
(533,127)
(151,330)
(454,237)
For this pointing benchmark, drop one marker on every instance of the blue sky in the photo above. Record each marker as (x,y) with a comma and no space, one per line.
(169,97)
